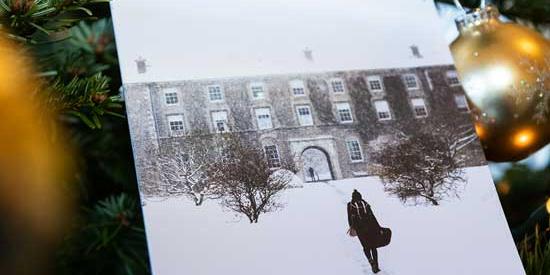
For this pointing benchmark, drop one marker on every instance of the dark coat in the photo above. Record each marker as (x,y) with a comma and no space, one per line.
(362,219)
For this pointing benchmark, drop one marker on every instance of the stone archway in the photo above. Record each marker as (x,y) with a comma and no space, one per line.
(326,144)
(316,164)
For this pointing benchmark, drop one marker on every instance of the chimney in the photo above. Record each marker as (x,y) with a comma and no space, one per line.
(308,54)
(141,65)
(415,51)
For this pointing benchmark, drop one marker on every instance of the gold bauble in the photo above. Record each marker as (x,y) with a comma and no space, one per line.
(33,202)
(504,68)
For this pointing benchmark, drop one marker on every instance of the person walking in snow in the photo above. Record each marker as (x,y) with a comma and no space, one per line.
(364,225)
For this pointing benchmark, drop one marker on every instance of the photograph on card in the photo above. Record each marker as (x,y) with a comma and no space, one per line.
(300,137)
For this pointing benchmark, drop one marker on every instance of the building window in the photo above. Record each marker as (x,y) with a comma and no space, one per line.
(344,112)
(304,115)
(375,83)
(410,81)
(382,110)
(419,107)
(219,121)
(452,78)
(354,150)
(272,155)
(462,103)
(263,118)
(257,90)
(175,123)
(337,85)
(298,87)
(215,93)
(171,97)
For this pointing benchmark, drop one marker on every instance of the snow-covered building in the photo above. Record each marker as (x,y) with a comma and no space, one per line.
(330,121)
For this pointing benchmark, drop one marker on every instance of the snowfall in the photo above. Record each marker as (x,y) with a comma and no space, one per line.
(466,235)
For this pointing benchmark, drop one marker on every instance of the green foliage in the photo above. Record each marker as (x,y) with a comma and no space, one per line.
(86,98)
(107,236)
(75,68)
(535,253)
(89,50)
(72,44)
(111,240)
(522,191)
(72,55)
(33,21)
(75,57)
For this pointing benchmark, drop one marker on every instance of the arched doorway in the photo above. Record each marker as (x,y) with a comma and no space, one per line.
(316,165)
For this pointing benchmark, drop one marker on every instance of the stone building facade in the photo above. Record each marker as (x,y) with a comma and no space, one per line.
(339,117)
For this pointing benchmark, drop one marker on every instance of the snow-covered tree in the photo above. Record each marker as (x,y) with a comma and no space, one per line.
(424,167)
(248,183)
(186,171)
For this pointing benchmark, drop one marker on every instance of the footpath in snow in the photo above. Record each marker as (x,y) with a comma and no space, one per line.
(468,235)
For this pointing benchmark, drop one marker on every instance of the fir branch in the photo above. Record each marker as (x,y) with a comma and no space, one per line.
(111,238)
(26,18)
(85,98)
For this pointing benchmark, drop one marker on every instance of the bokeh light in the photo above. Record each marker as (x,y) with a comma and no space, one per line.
(479,130)
(523,138)
(528,46)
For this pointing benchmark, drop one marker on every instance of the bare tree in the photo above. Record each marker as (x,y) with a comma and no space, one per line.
(249,183)
(185,172)
(425,167)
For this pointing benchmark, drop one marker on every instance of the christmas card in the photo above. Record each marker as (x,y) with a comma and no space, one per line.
(305,137)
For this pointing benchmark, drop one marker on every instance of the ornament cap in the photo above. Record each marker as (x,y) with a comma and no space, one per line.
(477,17)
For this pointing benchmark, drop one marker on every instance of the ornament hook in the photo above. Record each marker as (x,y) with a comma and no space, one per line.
(459,6)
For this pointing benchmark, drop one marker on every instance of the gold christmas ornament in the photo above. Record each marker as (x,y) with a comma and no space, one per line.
(33,164)
(505,71)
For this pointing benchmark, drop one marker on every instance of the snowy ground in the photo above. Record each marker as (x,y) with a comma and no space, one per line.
(466,236)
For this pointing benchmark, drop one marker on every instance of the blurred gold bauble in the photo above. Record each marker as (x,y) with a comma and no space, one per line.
(505,69)
(33,203)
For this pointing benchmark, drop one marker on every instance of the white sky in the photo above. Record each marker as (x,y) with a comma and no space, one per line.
(197,39)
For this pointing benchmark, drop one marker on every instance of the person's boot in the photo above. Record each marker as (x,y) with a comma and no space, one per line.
(375,260)
(373,266)
(377,269)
